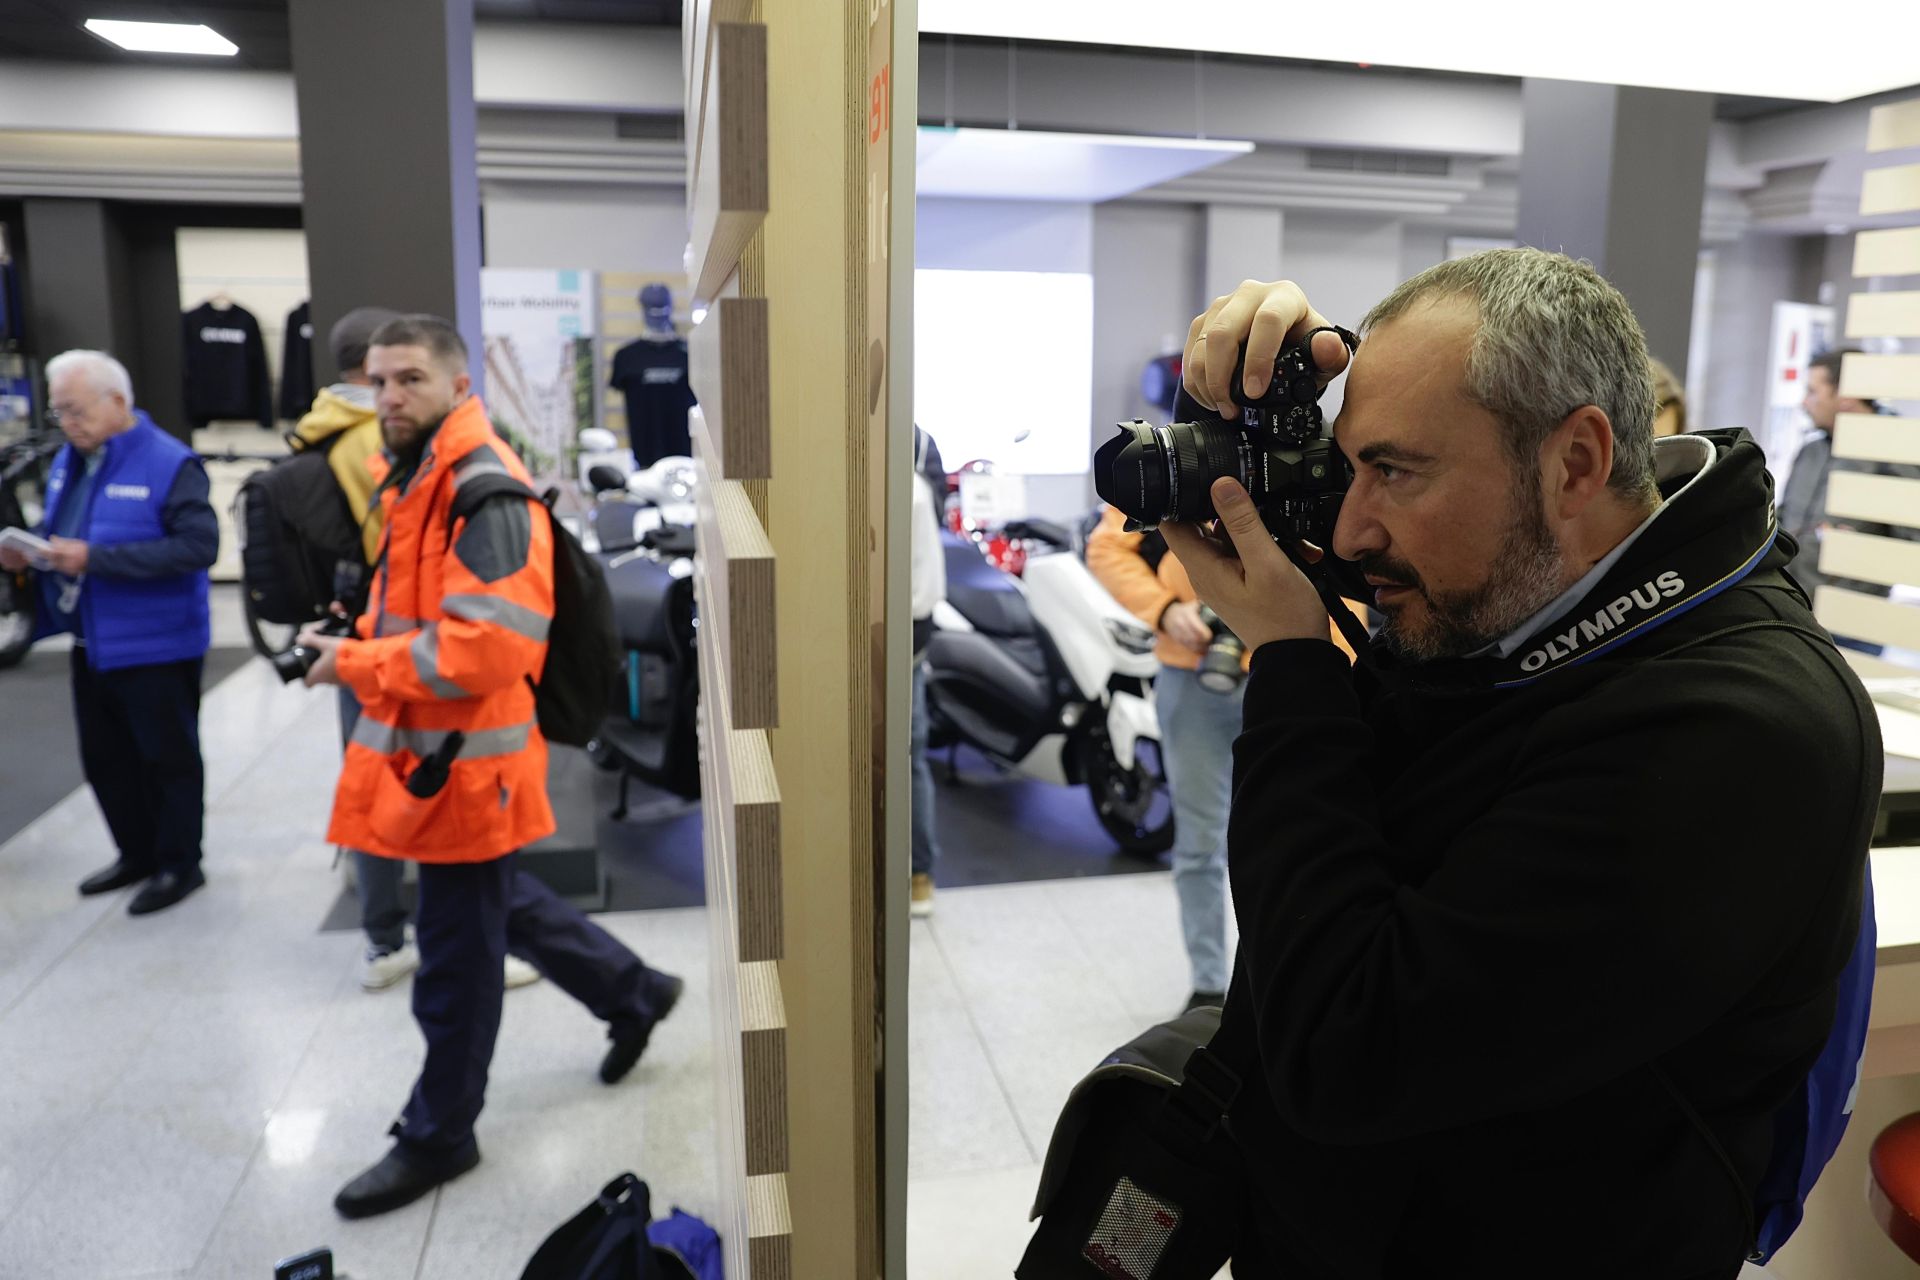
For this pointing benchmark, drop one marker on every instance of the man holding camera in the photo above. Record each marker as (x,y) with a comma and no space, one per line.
(446,766)
(132,536)
(1529,966)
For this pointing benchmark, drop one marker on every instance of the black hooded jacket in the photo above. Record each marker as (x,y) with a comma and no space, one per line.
(1535,947)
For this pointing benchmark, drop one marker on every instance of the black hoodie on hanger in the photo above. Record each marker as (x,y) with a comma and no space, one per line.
(224,364)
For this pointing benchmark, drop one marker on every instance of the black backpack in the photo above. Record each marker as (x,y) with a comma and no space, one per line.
(584,656)
(295,526)
(607,1240)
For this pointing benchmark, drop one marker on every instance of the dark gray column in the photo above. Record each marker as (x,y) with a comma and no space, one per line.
(391,196)
(1617,176)
(74,279)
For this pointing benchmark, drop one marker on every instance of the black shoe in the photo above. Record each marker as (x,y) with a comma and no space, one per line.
(1206,1000)
(630,1036)
(117,876)
(400,1179)
(165,889)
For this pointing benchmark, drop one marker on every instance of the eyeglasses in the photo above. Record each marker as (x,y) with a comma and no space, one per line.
(57,414)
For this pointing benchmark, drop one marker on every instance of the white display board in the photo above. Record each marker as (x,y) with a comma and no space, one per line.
(542,391)
(1003,368)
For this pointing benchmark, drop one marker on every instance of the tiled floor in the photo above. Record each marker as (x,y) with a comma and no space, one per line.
(1016,992)
(184,1093)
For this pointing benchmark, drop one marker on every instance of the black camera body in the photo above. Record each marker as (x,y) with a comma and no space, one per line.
(1278,450)
(297,661)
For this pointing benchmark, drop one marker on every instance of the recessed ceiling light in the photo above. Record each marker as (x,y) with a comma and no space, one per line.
(163,37)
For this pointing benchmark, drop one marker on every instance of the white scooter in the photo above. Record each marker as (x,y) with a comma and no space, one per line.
(1048,676)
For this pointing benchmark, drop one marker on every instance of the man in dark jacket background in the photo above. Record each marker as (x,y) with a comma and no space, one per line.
(132,536)
(1531,950)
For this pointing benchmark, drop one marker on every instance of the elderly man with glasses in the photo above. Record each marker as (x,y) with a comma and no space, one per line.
(130,535)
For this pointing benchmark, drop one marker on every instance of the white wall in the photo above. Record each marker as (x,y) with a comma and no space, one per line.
(1148,260)
(1002,235)
(1749,276)
(592,228)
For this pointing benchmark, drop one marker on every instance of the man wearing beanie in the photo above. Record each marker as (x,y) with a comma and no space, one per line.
(343,423)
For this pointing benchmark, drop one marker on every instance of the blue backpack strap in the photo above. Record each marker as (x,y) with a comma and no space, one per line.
(1808,1127)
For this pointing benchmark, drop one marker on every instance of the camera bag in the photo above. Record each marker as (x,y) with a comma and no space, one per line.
(1143,1180)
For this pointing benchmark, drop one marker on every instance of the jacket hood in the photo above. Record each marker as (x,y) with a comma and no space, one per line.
(335,409)
(1718,526)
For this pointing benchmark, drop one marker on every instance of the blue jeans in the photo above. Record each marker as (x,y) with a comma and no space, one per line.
(1197,729)
(382,913)
(926,850)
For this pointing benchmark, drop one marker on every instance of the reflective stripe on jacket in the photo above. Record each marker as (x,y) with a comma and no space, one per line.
(454,634)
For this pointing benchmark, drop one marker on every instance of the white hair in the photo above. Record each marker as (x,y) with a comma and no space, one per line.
(102,372)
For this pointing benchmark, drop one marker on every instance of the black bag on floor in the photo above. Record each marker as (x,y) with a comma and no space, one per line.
(1142,1179)
(607,1240)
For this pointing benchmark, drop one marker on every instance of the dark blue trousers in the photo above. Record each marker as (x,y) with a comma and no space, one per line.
(470,914)
(139,733)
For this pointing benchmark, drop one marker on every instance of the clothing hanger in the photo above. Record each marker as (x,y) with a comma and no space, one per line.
(221,300)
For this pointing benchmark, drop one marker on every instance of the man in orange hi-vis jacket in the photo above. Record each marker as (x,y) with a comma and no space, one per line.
(447,767)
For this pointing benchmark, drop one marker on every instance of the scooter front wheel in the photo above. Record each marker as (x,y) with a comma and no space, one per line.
(1133,805)
(16,617)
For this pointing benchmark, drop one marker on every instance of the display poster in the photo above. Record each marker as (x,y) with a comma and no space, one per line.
(538,327)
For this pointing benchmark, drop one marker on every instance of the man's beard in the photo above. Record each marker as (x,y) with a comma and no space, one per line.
(407,453)
(1528,572)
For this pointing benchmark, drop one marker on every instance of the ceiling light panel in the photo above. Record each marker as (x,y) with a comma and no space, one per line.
(163,37)
(1764,48)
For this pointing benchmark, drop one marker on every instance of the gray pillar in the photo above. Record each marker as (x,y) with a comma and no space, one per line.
(75,279)
(1618,176)
(388,170)
(1243,243)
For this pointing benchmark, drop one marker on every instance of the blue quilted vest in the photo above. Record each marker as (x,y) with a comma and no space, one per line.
(132,622)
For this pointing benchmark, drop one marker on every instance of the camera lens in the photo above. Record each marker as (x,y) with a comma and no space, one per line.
(1158,474)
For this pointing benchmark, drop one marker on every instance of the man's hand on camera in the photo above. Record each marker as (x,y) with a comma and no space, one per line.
(1181,622)
(326,668)
(1264,317)
(1245,576)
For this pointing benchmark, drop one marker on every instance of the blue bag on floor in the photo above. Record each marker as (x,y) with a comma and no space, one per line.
(692,1242)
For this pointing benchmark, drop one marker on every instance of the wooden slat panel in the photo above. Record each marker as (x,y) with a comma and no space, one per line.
(769,1228)
(728,189)
(727,365)
(1877,437)
(1894,189)
(1880,377)
(1884,315)
(723,960)
(1865,617)
(756,825)
(737,562)
(1868,667)
(1894,252)
(1856,495)
(763,1067)
(1894,126)
(1870,558)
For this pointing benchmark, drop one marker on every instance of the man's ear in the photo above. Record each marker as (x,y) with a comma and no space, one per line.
(1576,461)
(462,386)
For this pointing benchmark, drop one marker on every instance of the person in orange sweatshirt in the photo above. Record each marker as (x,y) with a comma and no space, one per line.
(1197,729)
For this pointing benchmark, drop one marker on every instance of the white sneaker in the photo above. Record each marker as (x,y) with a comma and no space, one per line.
(381,969)
(520,974)
(922,905)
